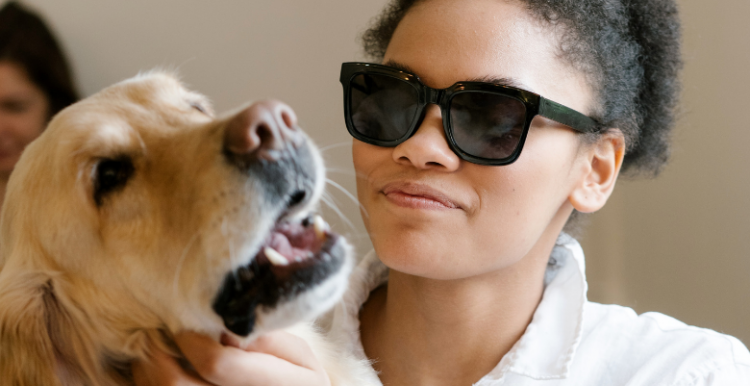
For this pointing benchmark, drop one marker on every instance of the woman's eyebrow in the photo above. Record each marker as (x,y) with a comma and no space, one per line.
(500,81)
(505,81)
(400,66)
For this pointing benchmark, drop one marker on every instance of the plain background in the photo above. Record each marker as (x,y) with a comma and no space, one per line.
(679,244)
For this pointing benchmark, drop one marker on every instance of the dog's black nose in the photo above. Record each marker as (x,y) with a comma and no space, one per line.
(262,131)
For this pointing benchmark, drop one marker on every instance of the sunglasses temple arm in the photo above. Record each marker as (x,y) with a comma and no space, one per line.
(566,116)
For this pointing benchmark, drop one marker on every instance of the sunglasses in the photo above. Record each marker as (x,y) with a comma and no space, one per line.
(485,123)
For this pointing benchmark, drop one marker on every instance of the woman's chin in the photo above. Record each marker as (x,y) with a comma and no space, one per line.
(441,258)
(427,263)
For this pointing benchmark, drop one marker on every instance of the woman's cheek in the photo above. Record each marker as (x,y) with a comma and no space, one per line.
(364,159)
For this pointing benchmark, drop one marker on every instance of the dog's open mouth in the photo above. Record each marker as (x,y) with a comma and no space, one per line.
(294,258)
(291,246)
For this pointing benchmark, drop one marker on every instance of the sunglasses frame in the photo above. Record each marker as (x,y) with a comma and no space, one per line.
(534,104)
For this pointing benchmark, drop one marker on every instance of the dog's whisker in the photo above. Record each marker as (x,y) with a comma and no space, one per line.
(361,175)
(331,204)
(335,145)
(141,142)
(231,251)
(347,194)
(224,227)
(233,259)
(183,256)
(340,171)
(178,68)
(348,172)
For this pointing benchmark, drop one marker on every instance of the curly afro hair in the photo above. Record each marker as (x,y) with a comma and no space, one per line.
(628,49)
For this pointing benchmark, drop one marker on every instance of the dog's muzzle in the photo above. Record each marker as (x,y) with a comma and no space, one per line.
(293,260)
(265,142)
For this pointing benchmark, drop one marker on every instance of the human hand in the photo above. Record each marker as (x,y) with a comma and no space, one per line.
(275,359)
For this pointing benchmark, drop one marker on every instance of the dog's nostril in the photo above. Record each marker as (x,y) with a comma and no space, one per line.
(266,135)
(289,120)
(297,197)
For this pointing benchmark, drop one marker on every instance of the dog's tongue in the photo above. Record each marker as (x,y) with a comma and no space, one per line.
(281,244)
(290,243)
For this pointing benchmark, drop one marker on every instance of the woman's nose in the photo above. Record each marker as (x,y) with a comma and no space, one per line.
(428,148)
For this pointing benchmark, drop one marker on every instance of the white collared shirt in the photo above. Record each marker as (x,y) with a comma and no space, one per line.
(571,341)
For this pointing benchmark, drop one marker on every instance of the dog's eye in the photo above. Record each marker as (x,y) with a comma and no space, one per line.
(111,175)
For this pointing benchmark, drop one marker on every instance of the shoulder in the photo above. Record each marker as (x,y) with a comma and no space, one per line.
(656,348)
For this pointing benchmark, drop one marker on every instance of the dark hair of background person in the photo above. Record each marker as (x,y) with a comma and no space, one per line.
(26,41)
(628,49)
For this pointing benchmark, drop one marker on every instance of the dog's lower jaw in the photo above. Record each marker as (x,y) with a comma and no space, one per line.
(308,305)
(257,300)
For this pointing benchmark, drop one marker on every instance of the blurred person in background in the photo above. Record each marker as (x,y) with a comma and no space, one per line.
(35,83)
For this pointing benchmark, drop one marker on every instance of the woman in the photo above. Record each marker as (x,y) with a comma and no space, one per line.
(472,281)
(35,83)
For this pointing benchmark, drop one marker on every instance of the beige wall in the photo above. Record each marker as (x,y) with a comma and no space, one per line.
(679,244)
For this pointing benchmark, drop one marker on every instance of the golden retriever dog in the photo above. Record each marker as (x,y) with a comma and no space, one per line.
(138,214)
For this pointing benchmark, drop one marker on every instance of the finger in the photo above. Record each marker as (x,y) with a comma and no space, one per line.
(230,366)
(163,370)
(289,347)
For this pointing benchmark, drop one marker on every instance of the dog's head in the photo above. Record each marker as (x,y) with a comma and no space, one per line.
(139,206)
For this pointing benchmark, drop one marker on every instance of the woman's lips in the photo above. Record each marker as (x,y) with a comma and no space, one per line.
(417,196)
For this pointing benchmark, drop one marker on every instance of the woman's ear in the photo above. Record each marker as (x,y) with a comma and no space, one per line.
(602,163)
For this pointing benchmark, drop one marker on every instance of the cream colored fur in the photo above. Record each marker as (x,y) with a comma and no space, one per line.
(85,289)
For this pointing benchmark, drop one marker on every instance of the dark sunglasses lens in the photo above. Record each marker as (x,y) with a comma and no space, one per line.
(382,107)
(487,125)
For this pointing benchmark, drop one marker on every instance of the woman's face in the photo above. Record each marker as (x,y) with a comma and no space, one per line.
(434,215)
(23,114)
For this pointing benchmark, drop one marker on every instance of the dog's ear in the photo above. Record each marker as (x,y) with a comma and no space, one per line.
(38,344)
(27,354)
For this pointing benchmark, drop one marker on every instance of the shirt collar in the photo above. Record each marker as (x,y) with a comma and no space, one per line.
(546,349)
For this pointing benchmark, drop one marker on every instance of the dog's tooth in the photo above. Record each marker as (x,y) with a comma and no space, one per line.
(275,257)
(321,227)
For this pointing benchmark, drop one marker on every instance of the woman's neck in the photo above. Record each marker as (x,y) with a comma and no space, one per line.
(448,332)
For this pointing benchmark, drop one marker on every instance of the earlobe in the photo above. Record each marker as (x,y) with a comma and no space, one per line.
(603,161)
